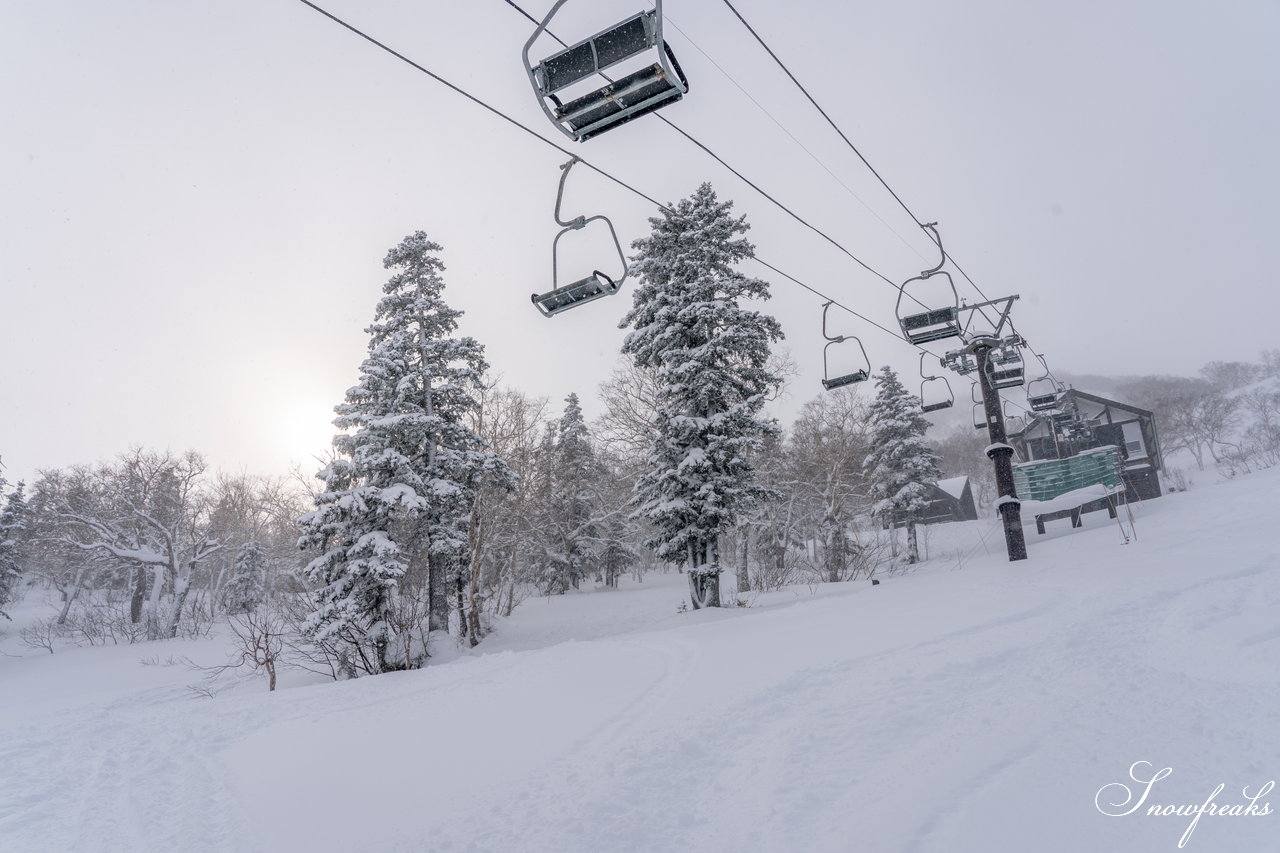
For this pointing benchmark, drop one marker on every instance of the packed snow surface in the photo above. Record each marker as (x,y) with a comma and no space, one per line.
(973,705)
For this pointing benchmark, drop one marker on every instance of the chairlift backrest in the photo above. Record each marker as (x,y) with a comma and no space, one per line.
(618,101)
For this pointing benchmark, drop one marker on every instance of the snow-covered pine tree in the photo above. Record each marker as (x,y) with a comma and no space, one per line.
(13,527)
(711,358)
(571,524)
(900,465)
(616,553)
(246,589)
(391,522)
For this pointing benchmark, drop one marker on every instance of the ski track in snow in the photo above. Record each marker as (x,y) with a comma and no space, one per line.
(972,710)
(122,779)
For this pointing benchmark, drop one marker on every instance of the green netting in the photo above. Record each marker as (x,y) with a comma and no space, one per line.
(1048,478)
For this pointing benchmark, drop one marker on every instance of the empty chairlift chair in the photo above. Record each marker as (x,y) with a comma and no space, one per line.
(979,416)
(979,407)
(1043,392)
(1013,423)
(935,391)
(597,109)
(932,323)
(583,290)
(1005,367)
(859,374)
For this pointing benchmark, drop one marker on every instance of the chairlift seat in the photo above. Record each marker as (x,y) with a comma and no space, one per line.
(847,379)
(619,101)
(936,407)
(580,292)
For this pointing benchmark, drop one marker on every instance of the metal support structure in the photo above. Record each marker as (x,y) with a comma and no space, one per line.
(1001,455)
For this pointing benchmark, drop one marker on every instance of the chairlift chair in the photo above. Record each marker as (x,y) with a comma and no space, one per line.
(937,397)
(618,101)
(931,324)
(1014,423)
(1005,367)
(583,290)
(979,406)
(861,374)
(1042,394)
(979,416)
(1044,391)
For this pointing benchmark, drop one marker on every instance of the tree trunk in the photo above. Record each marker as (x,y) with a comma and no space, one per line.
(834,548)
(913,547)
(704,575)
(744,580)
(69,597)
(466,627)
(139,596)
(181,586)
(474,598)
(437,594)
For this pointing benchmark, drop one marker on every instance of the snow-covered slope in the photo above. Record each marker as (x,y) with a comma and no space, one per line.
(973,708)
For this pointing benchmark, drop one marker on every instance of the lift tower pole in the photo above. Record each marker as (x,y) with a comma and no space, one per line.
(1000,453)
(975,357)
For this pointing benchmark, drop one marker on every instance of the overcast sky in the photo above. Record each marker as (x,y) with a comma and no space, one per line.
(196,197)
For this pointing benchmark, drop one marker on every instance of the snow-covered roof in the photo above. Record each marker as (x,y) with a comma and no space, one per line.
(954,486)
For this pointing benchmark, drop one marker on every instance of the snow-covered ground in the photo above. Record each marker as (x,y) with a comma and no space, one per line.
(974,705)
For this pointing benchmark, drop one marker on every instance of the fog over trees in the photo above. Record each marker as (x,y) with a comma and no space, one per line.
(450,497)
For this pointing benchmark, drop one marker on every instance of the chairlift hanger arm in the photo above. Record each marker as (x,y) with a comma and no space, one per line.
(578,222)
(834,339)
(931,228)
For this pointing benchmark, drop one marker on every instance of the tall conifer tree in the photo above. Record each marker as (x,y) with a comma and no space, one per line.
(391,522)
(13,537)
(900,465)
(571,522)
(710,354)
